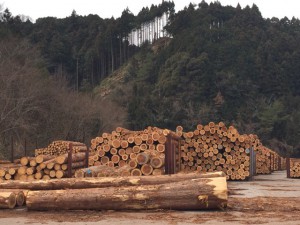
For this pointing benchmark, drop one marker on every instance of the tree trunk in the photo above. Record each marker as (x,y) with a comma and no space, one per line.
(7,200)
(75,158)
(193,194)
(19,194)
(75,183)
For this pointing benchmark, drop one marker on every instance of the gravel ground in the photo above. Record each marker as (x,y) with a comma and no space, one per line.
(268,199)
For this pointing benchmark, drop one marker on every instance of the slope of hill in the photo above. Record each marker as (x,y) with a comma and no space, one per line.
(226,64)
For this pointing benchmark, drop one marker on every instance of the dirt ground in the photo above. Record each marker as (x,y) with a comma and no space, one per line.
(268,199)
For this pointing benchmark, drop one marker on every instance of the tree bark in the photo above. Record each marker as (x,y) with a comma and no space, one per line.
(20,195)
(75,158)
(77,183)
(193,194)
(7,200)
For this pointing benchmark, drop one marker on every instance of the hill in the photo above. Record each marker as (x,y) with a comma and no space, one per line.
(222,63)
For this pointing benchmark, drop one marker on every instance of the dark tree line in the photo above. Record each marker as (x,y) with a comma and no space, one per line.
(86,49)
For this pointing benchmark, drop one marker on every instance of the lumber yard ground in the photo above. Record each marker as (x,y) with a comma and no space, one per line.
(268,199)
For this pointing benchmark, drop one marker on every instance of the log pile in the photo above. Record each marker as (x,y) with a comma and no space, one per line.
(57,148)
(268,161)
(143,151)
(294,169)
(215,147)
(42,167)
(8,170)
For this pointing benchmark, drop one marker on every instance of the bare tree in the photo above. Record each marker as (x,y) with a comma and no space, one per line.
(34,105)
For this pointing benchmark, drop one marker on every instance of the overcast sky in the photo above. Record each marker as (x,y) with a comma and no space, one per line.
(107,8)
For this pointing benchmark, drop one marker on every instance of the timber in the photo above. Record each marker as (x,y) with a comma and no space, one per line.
(20,195)
(75,158)
(194,194)
(102,182)
(7,200)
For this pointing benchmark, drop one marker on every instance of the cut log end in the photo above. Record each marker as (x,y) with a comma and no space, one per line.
(8,200)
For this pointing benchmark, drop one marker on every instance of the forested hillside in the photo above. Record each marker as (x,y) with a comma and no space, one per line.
(221,64)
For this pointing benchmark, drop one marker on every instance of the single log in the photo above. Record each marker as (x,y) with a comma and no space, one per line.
(24,161)
(156,162)
(7,176)
(19,194)
(2,172)
(142,158)
(77,183)
(7,200)
(147,169)
(75,158)
(193,194)
(22,170)
(39,175)
(30,170)
(60,174)
(157,172)
(12,171)
(43,158)
(136,172)
(32,162)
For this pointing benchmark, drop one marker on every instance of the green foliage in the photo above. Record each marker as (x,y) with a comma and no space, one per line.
(228,64)
(222,63)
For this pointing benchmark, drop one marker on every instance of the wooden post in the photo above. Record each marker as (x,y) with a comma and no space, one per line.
(25,147)
(170,158)
(12,149)
(252,163)
(288,167)
(87,158)
(70,160)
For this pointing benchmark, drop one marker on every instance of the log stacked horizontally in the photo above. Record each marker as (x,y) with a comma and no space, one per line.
(42,167)
(57,148)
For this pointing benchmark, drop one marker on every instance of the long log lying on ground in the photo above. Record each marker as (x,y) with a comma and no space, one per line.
(100,182)
(190,194)
(7,200)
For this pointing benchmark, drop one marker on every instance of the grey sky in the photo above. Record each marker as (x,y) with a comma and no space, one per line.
(105,9)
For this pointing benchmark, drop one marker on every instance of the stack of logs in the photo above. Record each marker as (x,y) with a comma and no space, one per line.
(44,166)
(142,152)
(294,168)
(57,148)
(263,160)
(215,147)
(268,161)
